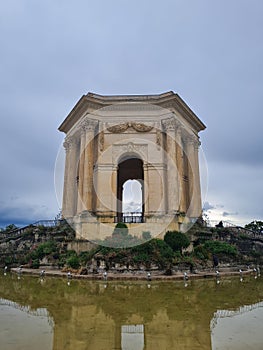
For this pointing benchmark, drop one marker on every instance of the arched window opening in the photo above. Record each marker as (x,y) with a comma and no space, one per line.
(132,197)
(130,191)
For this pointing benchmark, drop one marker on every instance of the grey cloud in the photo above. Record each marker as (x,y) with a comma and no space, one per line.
(23,215)
(132,207)
(208,206)
(225,213)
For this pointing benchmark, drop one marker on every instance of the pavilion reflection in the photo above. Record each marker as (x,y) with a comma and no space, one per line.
(132,337)
(118,315)
(239,328)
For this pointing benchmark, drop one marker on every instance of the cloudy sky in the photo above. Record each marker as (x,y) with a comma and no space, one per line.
(53,52)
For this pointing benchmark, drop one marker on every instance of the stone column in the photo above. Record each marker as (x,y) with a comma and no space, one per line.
(156,202)
(103,181)
(195,207)
(87,185)
(180,156)
(173,193)
(81,159)
(70,178)
(146,190)
(114,189)
(197,184)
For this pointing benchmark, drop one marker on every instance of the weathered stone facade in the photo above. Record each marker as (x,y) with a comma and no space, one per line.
(110,139)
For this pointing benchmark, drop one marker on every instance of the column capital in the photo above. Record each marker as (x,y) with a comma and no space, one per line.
(69,142)
(171,124)
(88,125)
(193,140)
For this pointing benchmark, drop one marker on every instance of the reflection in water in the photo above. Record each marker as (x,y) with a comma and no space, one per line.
(130,315)
(132,337)
(238,329)
(23,328)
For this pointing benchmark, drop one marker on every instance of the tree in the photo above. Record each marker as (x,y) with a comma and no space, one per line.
(11,227)
(256,226)
(73,262)
(176,240)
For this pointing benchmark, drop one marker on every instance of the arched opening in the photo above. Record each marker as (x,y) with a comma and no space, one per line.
(130,191)
(132,197)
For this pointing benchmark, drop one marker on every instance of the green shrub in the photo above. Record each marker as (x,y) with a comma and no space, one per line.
(176,240)
(73,262)
(217,247)
(9,260)
(156,251)
(70,253)
(44,249)
(86,256)
(200,252)
(141,258)
(35,264)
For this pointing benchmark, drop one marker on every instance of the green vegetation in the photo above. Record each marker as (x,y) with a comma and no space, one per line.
(73,261)
(43,250)
(176,240)
(216,247)
(130,252)
(10,228)
(256,226)
(155,251)
(200,252)
(221,249)
(38,252)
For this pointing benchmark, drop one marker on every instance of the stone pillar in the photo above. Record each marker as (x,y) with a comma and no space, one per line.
(156,202)
(146,190)
(180,166)
(87,186)
(195,206)
(196,203)
(81,159)
(197,184)
(70,178)
(103,189)
(172,190)
(114,189)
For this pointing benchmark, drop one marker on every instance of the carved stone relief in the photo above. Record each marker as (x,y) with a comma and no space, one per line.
(70,142)
(129,148)
(139,127)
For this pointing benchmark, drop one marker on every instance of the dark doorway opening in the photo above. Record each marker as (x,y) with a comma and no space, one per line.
(129,169)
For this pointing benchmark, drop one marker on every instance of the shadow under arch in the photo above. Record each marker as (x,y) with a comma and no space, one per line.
(130,167)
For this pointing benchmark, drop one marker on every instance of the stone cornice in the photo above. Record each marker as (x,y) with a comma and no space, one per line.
(81,108)
(178,104)
(91,102)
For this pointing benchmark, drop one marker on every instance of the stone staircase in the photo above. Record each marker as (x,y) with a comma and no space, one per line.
(18,232)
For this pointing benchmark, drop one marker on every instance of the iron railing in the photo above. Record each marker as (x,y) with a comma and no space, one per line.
(130,218)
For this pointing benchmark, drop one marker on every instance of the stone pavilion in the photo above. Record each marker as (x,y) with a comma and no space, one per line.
(150,139)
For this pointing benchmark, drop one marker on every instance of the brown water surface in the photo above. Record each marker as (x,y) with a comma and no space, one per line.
(60,315)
